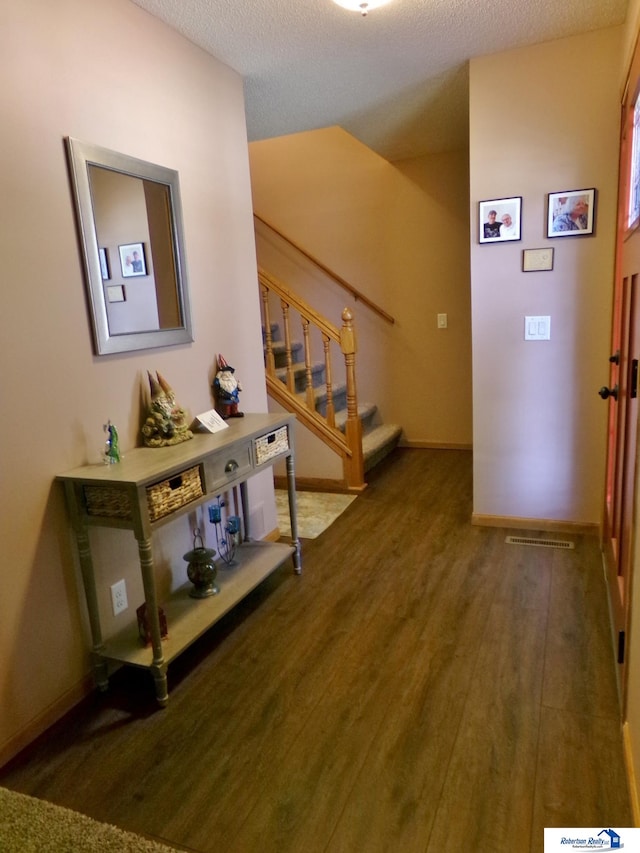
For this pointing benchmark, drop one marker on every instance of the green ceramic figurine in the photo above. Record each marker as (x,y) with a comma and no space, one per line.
(112,449)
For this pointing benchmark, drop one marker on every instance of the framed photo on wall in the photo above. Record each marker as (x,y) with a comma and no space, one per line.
(537,260)
(104,264)
(132,260)
(571,213)
(500,220)
(115,293)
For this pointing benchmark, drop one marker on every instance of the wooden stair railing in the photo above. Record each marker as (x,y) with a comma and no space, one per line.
(348,445)
(343,283)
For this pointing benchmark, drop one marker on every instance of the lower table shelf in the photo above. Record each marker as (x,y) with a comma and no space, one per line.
(188,618)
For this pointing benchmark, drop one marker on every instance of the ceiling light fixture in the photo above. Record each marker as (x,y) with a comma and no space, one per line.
(362,6)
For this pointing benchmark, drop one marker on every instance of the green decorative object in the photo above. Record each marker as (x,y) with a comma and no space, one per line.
(112,449)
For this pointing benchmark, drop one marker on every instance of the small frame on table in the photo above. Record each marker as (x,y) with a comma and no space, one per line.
(571,213)
(537,260)
(500,220)
(132,259)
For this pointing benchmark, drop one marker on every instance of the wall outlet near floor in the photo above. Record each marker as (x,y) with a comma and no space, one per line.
(119,597)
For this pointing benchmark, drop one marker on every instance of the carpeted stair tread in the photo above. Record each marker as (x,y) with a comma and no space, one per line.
(379,442)
(365,412)
(299,370)
(279,348)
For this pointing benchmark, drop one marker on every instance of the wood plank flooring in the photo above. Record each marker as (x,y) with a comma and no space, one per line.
(422,686)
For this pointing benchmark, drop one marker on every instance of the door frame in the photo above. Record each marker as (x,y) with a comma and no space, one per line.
(618,534)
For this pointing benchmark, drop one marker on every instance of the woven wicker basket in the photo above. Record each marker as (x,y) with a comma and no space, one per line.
(108,502)
(169,495)
(272,444)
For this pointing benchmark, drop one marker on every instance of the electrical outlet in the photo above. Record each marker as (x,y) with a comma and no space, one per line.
(119,597)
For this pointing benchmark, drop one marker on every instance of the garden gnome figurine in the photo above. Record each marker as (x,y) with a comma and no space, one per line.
(167,422)
(227,389)
(178,414)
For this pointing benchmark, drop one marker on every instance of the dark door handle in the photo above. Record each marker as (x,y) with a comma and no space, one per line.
(615,358)
(608,392)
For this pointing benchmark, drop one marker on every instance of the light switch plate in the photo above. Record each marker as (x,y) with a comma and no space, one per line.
(537,328)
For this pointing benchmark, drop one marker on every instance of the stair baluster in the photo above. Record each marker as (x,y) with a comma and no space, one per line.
(270,359)
(308,375)
(331,410)
(291,384)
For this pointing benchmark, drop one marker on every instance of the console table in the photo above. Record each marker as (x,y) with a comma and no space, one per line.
(125,495)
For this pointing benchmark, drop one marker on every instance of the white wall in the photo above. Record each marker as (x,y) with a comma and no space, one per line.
(539,425)
(105,72)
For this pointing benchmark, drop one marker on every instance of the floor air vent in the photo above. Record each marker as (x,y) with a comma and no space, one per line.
(539,543)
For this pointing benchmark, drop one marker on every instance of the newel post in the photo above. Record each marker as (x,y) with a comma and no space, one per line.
(353,428)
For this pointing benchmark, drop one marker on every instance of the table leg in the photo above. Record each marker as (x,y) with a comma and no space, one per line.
(158,665)
(98,663)
(244,503)
(293,515)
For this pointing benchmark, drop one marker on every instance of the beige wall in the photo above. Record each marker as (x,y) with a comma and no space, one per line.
(398,232)
(631,29)
(107,73)
(539,425)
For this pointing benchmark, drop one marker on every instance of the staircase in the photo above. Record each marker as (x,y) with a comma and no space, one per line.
(378,439)
(315,376)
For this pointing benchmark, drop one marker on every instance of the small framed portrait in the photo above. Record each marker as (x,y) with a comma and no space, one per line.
(115,293)
(571,213)
(500,220)
(132,260)
(104,264)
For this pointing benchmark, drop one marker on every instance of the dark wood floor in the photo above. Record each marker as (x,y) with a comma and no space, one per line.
(423,686)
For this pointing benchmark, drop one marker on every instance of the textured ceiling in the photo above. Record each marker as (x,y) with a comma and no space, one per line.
(396,79)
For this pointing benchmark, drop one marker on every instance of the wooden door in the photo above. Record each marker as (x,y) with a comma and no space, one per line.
(622,389)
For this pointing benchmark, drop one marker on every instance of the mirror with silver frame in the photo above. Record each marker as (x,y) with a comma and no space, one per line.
(130,223)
